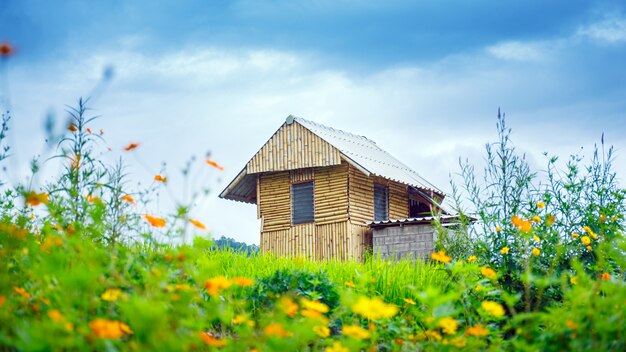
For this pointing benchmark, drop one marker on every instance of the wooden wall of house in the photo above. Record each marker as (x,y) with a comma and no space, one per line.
(361,202)
(274,201)
(335,241)
(293,147)
(344,203)
(331,194)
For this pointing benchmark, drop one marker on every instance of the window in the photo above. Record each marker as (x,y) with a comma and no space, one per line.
(381,202)
(302,203)
(418,209)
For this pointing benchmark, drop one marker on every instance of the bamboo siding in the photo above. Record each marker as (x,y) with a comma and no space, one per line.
(361,194)
(398,201)
(331,194)
(302,175)
(293,147)
(336,241)
(275,201)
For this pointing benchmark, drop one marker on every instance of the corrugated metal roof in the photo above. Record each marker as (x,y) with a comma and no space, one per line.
(407,221)
(369,156)
(359,151)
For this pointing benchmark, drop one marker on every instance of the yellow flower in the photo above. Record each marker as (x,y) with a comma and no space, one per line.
(606,276)
(288,306)
(575,235)
(536,219)
(212,340)
(498,228)
(493,308)
(541,205)
(441,257)
(337,347)
(550,220)
(111,294)
(536,238)
(536,252)
(316,306)
(374,308)
(349,284)
(521,224)
(276,330)
(355,331)
(476,330)
(471,259)
(488,272)
(589,248)
(217,284)
(478,288)
(109,329)
(321,330)
(458,341)
(573,280)
(409,301)
(590,232)
(242,281)
(505,250)
(585,240)
(432,335)
(449,325)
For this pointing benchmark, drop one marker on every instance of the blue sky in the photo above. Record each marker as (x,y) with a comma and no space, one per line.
(423,79)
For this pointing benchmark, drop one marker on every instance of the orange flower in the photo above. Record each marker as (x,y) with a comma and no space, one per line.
(570,324)
(155,221)
(216,284)
(128,198)
(129,147)
(6,50)
(550,220)
(476,330)
(55,315)
(109,329)
(2,300)
(197,224)
(349,284)
(488,272)
(606,276)
(214,164)
(276,330)
(160,178)
(441,257)
(212,340)
(72,127)
(541,205)
(21,291)
(288,306)
(34,198)
(522,224)
(88,130)
(242,281)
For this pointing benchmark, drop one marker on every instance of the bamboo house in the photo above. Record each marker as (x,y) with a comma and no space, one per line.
(323,193)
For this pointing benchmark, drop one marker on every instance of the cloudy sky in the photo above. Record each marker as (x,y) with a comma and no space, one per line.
(424,79)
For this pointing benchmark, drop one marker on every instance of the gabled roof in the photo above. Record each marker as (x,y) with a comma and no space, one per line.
(361,152)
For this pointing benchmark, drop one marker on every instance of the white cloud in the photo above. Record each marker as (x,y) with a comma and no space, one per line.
(611,30)
(518,51)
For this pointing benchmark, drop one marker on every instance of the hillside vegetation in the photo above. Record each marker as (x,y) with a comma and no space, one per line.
(84,267)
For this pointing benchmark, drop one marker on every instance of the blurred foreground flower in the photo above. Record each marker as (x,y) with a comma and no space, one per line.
(215,285)
(374,308)
(214,164)
(441,257)
(34,198)
(109,329)
(155,221)
(6,50)
(197,224)
(130,146)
